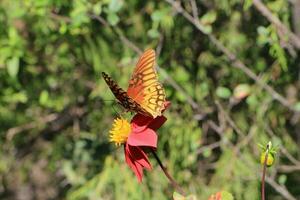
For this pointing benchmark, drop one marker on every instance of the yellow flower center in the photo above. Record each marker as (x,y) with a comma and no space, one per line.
(120,131)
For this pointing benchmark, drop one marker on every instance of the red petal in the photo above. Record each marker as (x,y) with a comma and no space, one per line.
(139,156)
(140,122)
(157,122)
(147,137)
(137,160)
(135,167)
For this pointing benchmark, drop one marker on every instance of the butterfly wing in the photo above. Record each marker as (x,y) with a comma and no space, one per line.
(126,101)
(144,87)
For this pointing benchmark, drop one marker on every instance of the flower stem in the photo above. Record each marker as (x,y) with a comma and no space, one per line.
(263,176)
(171,179)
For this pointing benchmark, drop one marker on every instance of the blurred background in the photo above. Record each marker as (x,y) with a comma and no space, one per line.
(230,68)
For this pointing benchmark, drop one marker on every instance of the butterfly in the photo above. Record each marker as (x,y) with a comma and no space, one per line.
(145,95)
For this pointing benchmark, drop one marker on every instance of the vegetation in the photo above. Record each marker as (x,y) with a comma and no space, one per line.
(230,69)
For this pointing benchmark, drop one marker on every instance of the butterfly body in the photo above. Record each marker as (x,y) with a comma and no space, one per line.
(145,95)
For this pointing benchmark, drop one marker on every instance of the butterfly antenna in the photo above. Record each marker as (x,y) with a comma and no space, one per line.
(108,100)
(113,107)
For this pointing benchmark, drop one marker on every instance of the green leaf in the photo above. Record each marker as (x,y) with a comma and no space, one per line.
(282,179)
(113,19)
(207,152)
(97,8)
(13,66)
(115,5)
(158,15)
(208,18)
(223,92)
(247,4)
(153,33)
(177,196)
(297,106)
(44,97)
(226,195)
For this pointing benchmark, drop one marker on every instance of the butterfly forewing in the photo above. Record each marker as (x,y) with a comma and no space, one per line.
(144,87)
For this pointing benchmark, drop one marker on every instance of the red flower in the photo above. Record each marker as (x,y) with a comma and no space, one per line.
(140,137)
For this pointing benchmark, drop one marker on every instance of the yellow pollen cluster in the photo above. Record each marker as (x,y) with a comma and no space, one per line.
(120,131)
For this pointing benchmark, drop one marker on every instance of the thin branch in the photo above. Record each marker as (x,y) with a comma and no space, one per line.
(60,17)
(229,120)
(231,56)
(24,127)
(208,147)
(293,39)
(194,8)
(280,189)
(288,168)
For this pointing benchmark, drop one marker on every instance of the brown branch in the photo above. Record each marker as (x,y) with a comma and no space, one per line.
(293,39)
(209,147)
(288,168)
(229,119)
(24,127)
(280,189)
(194,8)
(54,123)
(231,56)
(58,17)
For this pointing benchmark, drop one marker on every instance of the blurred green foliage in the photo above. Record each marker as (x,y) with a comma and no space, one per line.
(56,111)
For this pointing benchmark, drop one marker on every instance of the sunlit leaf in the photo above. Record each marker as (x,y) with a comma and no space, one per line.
(115,5)
(113,18)
(13,66)
(223,92)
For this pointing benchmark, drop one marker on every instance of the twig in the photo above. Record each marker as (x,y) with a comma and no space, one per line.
(293,39)
(194,8)
(171,179)
(209,146)
(160,45)
(231,56)
(280,189)
(24,127)
(229,120)
(288,168)
(60,17)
